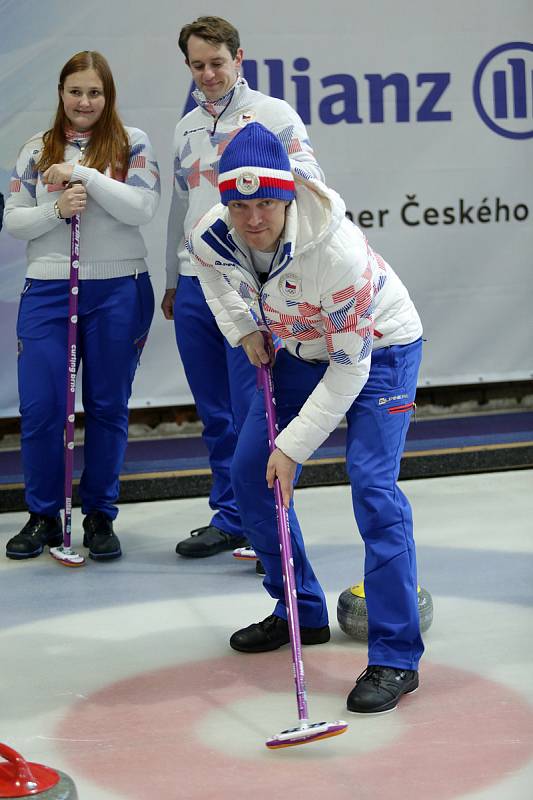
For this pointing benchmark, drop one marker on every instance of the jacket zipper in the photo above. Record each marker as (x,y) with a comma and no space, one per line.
(216,119)
(253,277)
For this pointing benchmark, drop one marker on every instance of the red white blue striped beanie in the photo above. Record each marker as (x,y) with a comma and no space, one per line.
(254,165)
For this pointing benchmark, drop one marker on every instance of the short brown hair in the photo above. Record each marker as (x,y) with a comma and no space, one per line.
(214,30)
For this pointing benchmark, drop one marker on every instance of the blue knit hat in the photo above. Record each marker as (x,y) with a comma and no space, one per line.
(253,165)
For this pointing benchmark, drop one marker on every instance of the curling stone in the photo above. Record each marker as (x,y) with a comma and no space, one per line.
(21,778)
(352,617)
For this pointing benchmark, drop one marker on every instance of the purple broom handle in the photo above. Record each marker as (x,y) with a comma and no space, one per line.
(72,344)
(287,562)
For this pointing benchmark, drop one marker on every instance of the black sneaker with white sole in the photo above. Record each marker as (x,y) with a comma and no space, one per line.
(39,531)
(378,689)
(99,537)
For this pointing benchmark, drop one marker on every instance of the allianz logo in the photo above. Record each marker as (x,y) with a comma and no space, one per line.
(502,89)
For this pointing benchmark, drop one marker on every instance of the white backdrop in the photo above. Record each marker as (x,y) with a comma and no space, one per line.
(421,115)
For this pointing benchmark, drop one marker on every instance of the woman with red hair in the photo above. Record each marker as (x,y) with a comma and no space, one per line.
(88,163)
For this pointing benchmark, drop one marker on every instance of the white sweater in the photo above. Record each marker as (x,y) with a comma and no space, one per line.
(111,244)
(199,141)
(329,297)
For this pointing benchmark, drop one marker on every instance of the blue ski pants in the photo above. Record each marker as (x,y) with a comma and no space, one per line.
(377,426)
(114,318)
(222,382)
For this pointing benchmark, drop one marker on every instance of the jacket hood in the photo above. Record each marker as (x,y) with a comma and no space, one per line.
(316,214)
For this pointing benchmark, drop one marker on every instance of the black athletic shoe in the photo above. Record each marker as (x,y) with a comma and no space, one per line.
(259,568)
(208,541)
(39,531)
(378,689)
(272,633)
(99,537)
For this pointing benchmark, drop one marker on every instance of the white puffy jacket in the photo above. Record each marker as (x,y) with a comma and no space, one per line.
(328,296)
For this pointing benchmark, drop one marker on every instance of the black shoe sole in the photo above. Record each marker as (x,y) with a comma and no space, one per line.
(204,555)
(57,542)
(265,649)
(105,556)
(24,556)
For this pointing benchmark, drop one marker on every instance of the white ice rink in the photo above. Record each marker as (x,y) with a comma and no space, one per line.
(121,675)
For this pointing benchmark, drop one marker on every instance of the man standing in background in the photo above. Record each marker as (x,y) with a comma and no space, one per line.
(221,379)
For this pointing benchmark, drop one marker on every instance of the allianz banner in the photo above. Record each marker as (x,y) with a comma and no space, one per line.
(420,114)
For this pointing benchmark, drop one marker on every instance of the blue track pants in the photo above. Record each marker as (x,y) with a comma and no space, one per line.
(375,442)
(222,382)
(114,317)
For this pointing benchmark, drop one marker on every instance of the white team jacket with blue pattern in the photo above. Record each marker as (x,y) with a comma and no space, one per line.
(328,296)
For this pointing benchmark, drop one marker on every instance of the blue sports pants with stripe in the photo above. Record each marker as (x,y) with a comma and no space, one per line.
(114,317)
(222,382)
(377,426)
